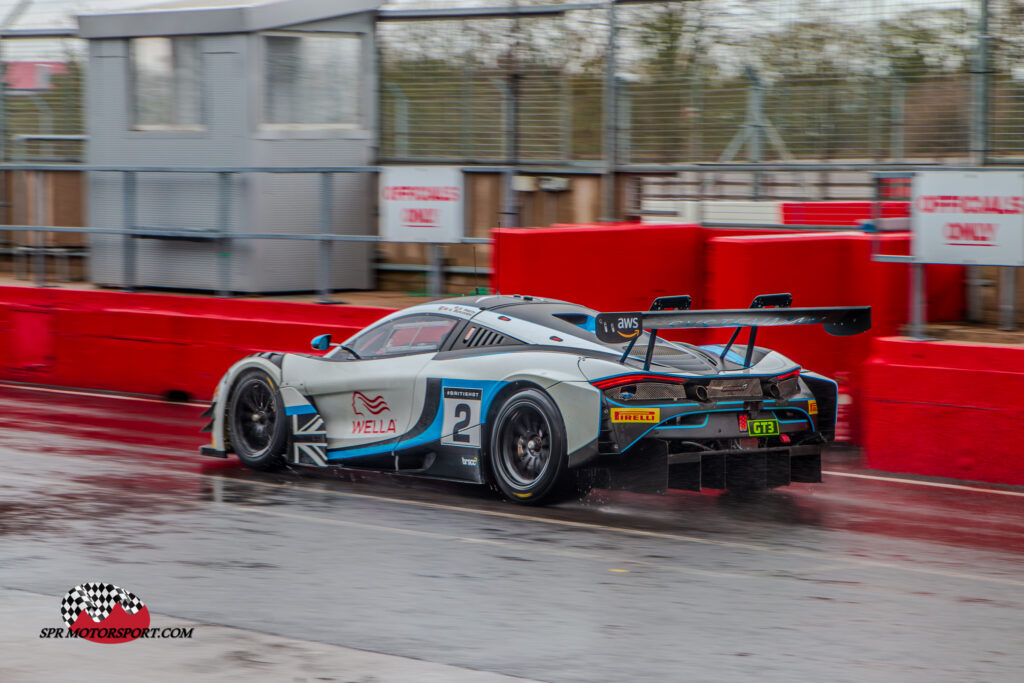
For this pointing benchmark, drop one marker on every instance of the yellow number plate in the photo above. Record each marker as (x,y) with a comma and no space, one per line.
(763,428)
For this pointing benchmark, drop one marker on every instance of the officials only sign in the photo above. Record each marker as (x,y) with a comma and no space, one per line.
(421,204)
(969,218)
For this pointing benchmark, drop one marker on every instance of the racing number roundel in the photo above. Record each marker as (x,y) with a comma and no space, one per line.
(461,426)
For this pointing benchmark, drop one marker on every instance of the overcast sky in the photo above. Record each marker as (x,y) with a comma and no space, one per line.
(61,13)
(737,17)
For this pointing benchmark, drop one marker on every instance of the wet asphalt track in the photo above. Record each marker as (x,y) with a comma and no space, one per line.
(854,579)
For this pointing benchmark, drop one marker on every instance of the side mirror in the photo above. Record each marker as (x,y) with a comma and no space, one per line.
(321,342)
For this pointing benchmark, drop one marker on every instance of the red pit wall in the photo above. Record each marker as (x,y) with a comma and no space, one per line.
(945,409)
(609,267)
(617,267)
(624,267)
(838,213)
(151,344)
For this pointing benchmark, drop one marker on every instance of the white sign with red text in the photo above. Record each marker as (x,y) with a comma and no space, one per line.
(421,204)
(969,218)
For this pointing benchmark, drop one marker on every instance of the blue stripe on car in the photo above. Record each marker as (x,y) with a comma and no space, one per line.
(432,433)
(706,413)
(303,409)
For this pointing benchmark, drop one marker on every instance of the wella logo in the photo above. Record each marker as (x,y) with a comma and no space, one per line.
(375,406)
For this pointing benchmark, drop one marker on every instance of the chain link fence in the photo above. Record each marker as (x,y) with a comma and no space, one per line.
(706,80)
(42,97)
(692,81)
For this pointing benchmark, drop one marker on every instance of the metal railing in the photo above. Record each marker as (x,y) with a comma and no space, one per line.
(221,234)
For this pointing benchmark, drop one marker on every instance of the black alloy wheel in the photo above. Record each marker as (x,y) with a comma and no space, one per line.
(257,421)
(528,452)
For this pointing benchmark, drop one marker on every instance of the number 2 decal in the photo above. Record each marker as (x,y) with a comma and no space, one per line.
(461,426)
(463,413)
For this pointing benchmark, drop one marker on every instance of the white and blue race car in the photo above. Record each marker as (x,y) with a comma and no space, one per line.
(542,399)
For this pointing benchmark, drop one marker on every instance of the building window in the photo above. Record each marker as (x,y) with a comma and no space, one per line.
(165,83)
(311,80)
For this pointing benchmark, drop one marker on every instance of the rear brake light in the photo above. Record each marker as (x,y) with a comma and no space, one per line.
(743,423)
(610,382)
(792,373)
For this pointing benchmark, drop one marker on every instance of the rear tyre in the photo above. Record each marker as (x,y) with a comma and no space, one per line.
(256,421)
(528,449)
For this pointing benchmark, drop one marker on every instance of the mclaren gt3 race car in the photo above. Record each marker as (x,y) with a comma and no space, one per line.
(542,399)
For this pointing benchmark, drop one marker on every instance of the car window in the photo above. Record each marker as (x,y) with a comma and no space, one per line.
(410,334)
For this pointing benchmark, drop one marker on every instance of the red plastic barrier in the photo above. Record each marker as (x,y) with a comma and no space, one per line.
(620,267)
(623,267)
(838,213)
(151,344)
(826,269)
(945,409)
(607,266)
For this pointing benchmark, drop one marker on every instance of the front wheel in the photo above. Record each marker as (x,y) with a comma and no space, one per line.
(257,422)
(528,448)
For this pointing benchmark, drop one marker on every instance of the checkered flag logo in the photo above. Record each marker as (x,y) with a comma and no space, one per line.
(98,600)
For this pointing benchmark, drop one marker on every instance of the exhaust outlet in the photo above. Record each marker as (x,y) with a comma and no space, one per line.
(773,390)
(701,392)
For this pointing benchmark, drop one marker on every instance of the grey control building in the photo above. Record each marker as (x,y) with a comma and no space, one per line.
(211,84)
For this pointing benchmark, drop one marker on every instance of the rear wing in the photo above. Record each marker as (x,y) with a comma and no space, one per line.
(839,321)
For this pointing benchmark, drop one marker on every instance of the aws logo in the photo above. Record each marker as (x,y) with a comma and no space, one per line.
(627,327)
(374,406)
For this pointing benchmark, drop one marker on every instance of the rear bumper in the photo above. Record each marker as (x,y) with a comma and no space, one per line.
(650,468)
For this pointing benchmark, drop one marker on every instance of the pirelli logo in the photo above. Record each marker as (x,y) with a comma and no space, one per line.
(637,415)
(812,407)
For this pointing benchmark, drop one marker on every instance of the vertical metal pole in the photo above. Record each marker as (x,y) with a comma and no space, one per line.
(917,300)
(755,119)
(980,89)
(1007,298)
(224,227)
(610,121)
(324,261)
(3,109)
(465,112)
(39,238)
(876,212)
(128,241)
(565,114)
(979,138)
(510,209)
(436,270)
(899,94)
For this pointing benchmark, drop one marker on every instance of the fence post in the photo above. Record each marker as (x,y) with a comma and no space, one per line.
(1007,298)
(323,245)
(917,300)
(39,238)
(436,270)
(610,122)
(510,206)
(128,241)
(755,120)
(898,132)
(224,227)
(979,138)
